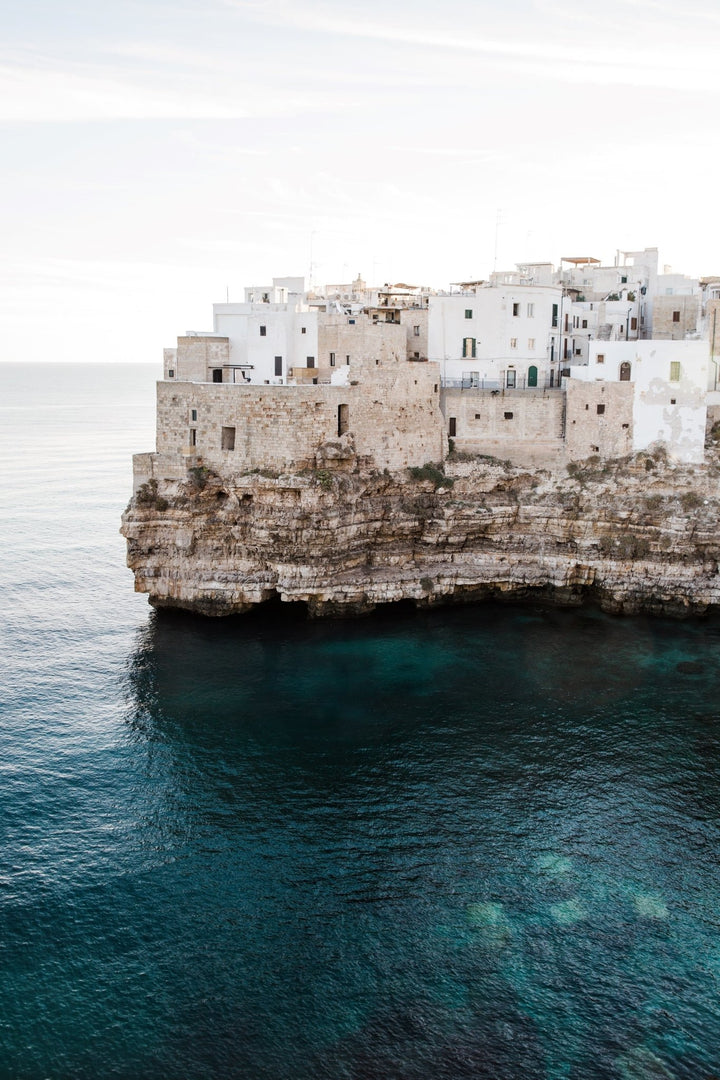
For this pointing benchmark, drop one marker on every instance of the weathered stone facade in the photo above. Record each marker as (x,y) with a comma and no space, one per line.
(343,339)
(524,425)
(674,317)
(599,419)
(389,412)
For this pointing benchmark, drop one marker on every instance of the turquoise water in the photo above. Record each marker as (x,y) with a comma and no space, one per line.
(474,843)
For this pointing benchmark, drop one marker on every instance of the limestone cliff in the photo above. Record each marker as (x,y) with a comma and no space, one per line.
(637,535)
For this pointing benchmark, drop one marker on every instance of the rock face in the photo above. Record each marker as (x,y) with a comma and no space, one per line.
(637,535)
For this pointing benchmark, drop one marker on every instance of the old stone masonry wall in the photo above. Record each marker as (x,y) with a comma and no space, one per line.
(639,534)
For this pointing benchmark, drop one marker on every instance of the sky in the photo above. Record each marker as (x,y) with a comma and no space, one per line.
(158,157)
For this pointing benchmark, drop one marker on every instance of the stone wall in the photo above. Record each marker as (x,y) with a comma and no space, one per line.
(664,309)
(415,321)
(389,413)
(351,338)
(599,419)
(197,356)
(525,426)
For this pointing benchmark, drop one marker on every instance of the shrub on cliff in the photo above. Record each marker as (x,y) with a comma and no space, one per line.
(147,497)
(434,473)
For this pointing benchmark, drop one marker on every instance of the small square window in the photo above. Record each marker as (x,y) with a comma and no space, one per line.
(171,373)
(351,321)
(310,361)
(303,330)
(600,358)
(416,356)
(676,316)
(477,415)
(508,416)
(600,410)
(673,401)
(468,313)
(263,331)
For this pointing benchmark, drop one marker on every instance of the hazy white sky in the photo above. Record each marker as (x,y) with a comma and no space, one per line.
(157,154)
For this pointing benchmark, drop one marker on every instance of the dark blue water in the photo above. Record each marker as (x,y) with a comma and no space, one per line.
(479,843)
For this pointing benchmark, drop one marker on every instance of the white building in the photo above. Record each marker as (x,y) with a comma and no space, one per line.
(669,381)
(496,336)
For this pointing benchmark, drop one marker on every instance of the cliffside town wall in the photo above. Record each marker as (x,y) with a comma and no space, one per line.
(387,413)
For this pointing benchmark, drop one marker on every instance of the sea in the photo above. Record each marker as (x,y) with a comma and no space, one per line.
(479,842)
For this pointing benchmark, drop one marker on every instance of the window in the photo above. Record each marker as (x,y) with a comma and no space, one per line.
(351,322)
(633,323)
(510,380)
(477,415)
(343,417)
(555,315)
(416,356)
(452,426)
(278,365)
(531,311)
(623,280)
(303,329)
(263,331)
(674,371)
(416,331)
(673,401)
(227,438)
(469,344)
(508,416)
(347,359)
(516,309)
(600,358)
(193,437)
(468,313)
(531,343)
(513,343)
(676,316)
(217,375)
(171,373)
(193,415)
(332,359)
(584,324)
(600,410)
(311,361)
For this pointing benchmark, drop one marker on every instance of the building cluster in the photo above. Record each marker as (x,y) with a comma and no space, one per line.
(540,364)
